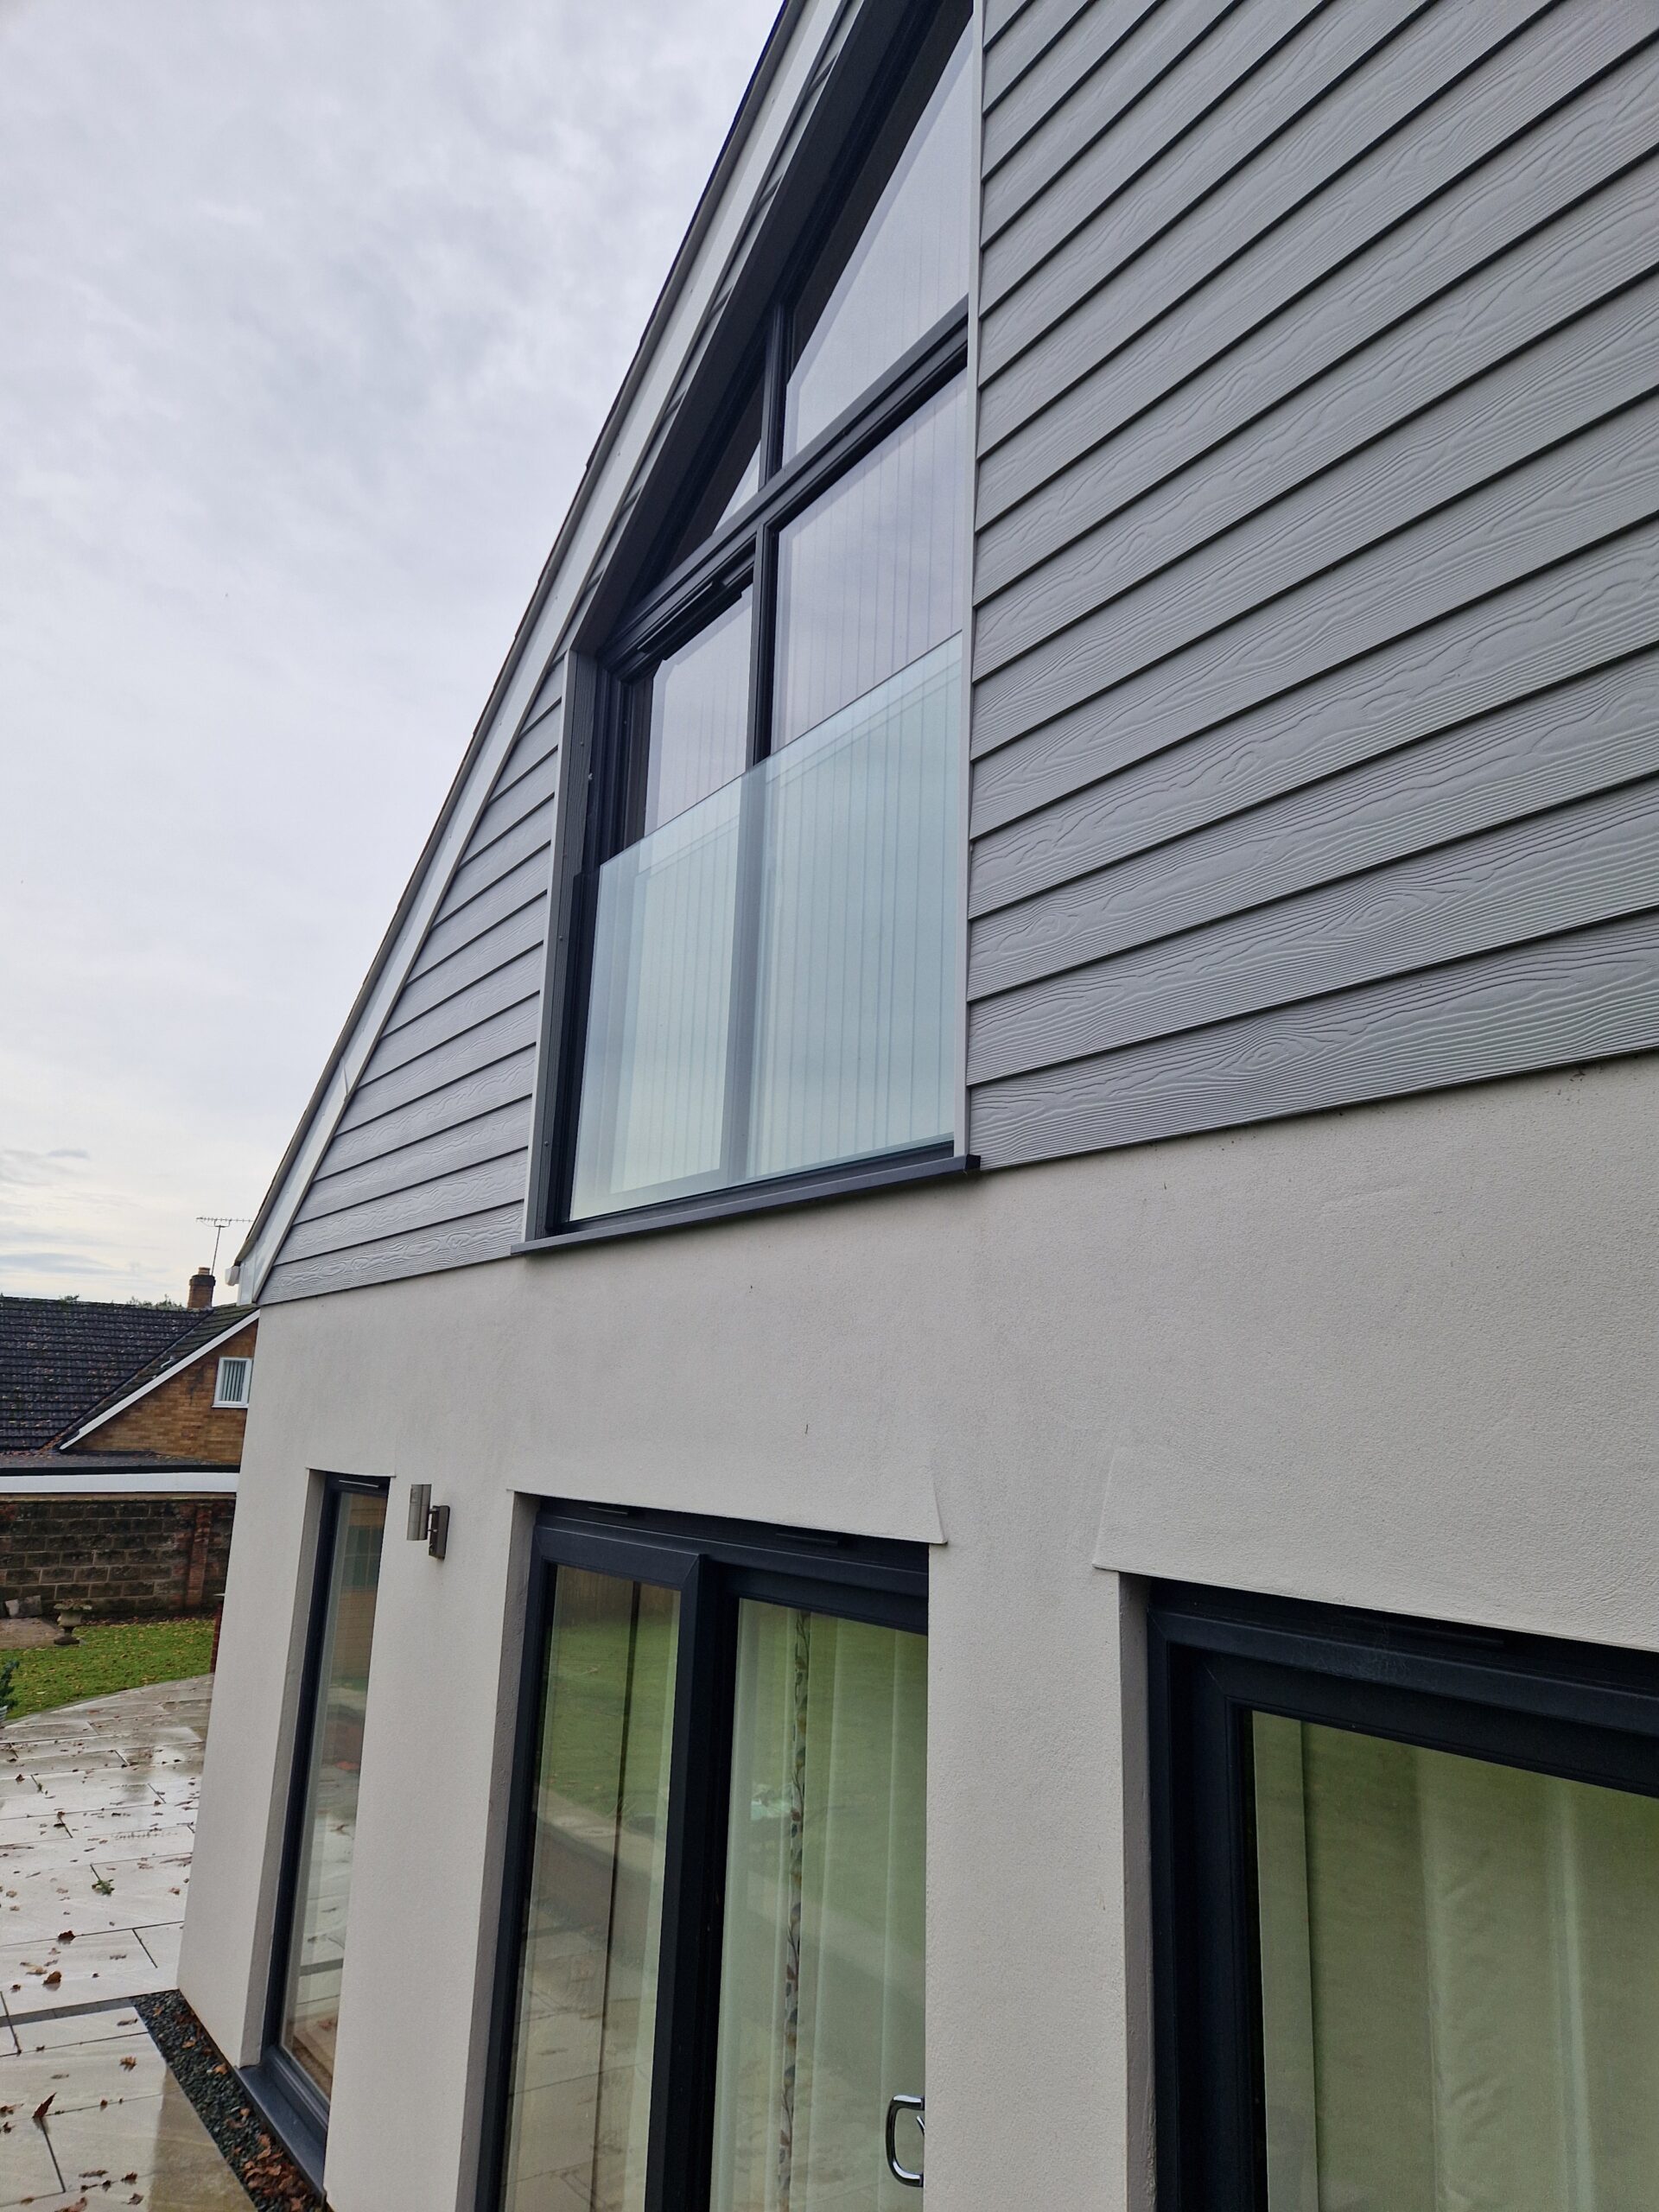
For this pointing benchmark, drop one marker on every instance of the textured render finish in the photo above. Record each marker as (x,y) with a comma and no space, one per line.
(430,1163)
(1402,1356)
(1317,568)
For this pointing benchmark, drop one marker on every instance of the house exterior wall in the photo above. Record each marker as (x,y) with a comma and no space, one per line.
(428,1164)
(117,1558)
(1317,633)
(1398,1357)
(178,1420)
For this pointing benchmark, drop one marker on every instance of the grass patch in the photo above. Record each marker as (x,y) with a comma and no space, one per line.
(120,1655)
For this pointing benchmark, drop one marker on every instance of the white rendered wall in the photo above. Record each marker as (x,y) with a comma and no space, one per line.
(1403,1356)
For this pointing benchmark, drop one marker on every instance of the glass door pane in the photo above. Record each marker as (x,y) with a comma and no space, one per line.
(316,1945)
(580,2100)
(1459,1980)
(821,2013)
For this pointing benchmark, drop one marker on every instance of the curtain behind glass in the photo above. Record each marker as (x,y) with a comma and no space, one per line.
(1460,1982)
(822,1998)
(580,2103)
(316,1947)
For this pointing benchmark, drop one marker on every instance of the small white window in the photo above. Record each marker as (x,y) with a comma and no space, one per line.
(234,1376)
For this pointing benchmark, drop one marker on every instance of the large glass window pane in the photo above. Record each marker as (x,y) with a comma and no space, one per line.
(697,735)
(731,483)
(872,576)
(652,1116)
(897,260)
(822,1998)
(579,2098)
(1459,1980)
(854,1028)
(316,1942)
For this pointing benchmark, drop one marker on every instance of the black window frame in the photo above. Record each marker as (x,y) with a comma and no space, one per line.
(281,2088)
(1587,1713)
(743,554)
(713,1565)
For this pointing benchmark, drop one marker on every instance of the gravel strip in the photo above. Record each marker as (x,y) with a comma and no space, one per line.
(251,2150)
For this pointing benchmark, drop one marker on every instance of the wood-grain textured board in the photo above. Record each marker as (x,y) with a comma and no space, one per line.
(1316,704)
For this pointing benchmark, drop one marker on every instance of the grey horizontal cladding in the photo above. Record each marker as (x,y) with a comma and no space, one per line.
(468,1143)
(486,866)
(1552,506)
(504,987)
(1019,32)
(1174,148)
(476,1090)
(1101,62)
(1582,864)
(509,809)
(1564,1000)
(1254,532)
(1315,731)
(1285,424)
(537,741)
(1586,735)
(416,1252)
(522,930)
(501,1036)
(1311,290)
(458,925)
(1190,215)
(423,1205)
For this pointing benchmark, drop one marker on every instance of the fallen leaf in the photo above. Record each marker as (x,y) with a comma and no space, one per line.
(128,2062)
(41,2109)
(66,1935)
(52,1980)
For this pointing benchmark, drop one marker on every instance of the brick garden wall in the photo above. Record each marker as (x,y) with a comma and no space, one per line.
(121,1557)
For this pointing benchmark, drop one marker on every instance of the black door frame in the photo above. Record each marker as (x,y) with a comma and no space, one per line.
(1588,1714)
(713,1565)
(278,2085)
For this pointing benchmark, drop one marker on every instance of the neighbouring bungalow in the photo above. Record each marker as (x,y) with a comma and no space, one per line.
(121,1429)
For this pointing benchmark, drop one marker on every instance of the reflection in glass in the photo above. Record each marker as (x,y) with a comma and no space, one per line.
(822,1997)
(316,1948)
(873,574)
(580,2100)
(698,735)
(822,1030)
(731,483)
(1460,1980)
(897,261)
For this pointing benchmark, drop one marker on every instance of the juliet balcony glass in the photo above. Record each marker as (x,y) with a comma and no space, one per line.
(773,975)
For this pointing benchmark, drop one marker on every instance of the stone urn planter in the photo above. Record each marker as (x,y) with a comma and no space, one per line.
(70,1617)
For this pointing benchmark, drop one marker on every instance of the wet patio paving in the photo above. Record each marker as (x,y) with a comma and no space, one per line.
(98,1807)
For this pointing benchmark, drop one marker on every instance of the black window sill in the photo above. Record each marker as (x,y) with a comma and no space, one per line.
(289,2107)
(758,1198)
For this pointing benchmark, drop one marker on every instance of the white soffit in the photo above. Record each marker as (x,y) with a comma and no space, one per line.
(624,445)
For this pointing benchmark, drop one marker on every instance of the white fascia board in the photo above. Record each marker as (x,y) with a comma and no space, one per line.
(135,1482)
(156,1381)
(599,498)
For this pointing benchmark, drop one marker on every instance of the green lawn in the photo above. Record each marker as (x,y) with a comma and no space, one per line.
(120,1656)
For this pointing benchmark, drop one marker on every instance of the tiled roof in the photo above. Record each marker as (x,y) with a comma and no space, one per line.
(214,1321)
(61,1357)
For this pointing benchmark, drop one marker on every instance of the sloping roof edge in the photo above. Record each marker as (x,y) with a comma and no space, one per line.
(333,1086)
(155,1381)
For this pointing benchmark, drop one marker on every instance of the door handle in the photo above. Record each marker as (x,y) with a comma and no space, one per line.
(908,2175)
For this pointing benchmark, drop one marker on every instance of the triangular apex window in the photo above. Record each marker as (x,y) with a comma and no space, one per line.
(897,259)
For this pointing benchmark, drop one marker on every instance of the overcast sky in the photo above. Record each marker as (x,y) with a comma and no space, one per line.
(310,315)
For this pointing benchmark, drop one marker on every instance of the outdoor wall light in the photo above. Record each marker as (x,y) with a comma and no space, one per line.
(428,1523)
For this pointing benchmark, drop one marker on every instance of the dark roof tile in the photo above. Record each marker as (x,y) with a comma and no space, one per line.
(60,1357)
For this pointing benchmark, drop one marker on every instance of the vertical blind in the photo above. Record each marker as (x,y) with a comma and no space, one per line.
(1460,1982)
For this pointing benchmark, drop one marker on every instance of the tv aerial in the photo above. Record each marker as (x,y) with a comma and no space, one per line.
(218,1222)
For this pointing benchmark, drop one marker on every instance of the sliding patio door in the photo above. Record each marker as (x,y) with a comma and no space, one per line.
(317,1902)
(718,1937)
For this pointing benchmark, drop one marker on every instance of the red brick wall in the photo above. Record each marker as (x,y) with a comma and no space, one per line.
(120,1558)
(178,1421)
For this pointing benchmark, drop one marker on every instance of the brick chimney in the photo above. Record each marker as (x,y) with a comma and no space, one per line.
(202,1287)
